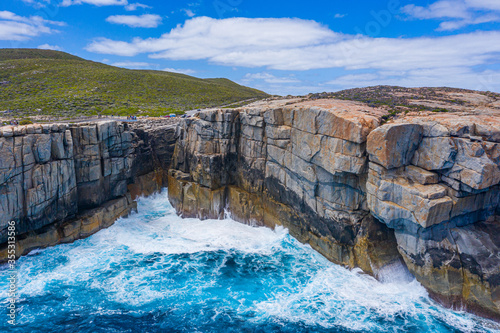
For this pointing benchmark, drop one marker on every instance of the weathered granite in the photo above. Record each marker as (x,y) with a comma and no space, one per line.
(83,225)
(444,210)
(62,182)
(282,166)
(37,179)
(420,190)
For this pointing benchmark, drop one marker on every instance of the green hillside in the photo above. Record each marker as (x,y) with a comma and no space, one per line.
(45,82)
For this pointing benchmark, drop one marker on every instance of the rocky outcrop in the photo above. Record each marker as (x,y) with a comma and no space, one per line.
(442,203)
(62,182)
(37,177)
(304,168)
(420,190)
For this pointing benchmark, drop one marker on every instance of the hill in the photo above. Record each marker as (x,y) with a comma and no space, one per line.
(12,54)
(46,82)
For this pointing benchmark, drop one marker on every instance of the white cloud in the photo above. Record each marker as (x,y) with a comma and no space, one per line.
(269,78)
(293,44)
(134,6)
(484,4)
(49,47)
(208,38)
(454,25)
(66,3)
(457,13)
(135,21)
(15,27)
(451,77)
(108,46)
(37,3)
(189,12)
(179,70)
(338,15)
(440,9)
(133,64)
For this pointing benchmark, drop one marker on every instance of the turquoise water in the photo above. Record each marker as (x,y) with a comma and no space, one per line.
(154,272)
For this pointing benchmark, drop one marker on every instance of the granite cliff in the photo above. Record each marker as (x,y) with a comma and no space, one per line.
(419,193)
(63,182)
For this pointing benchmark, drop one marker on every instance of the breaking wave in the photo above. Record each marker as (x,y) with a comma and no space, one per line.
(155,272)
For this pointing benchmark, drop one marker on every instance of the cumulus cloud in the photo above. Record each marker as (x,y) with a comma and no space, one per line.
(189,12)
(49,47)
(456,13)
(269,78)
(37,3)
(67,3)
(440,9)
(15,27)
(135,21)
(294,44)
(208,38)
(179,70)
(484,4)
(134,6)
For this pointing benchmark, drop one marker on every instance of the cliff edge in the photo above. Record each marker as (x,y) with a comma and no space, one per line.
(62,182)
(420,192)
(413,192)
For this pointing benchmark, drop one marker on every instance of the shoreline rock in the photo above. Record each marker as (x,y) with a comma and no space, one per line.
(64,182)
(419,191)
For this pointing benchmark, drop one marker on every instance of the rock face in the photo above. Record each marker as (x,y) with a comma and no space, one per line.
(304,168)
(393,146)
(420,192)
(442,203)
(423,192)
(37,177)
(61,182)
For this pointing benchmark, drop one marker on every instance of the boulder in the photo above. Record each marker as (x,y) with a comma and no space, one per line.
(393,145)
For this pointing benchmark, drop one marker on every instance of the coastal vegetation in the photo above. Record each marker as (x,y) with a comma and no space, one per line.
(53,83)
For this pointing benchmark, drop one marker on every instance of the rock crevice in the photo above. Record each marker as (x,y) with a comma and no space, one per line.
(422,191)
(62,182)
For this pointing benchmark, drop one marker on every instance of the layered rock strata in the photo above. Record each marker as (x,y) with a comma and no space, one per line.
(284,167)
(421,190)
(419,193)
(439,192)
(62,182)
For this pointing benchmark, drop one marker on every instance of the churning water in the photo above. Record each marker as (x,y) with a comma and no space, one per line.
(154,272)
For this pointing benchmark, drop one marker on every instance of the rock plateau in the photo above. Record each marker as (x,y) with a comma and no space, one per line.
(419,192)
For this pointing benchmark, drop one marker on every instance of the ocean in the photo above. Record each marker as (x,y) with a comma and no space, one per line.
(156,272)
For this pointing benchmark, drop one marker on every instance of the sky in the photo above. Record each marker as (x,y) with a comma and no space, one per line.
(281,47)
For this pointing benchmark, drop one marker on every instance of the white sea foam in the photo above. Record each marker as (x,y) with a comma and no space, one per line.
(171,234)
(306,287)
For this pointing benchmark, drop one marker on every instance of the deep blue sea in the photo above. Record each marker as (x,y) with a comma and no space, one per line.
(154,272)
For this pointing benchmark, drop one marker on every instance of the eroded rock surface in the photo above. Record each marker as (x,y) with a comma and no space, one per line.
(301,167)
(62,182)
(423,190)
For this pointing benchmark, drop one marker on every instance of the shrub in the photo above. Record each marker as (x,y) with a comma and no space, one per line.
(25,122)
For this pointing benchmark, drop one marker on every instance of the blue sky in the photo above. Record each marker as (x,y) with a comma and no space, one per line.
(281,47)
